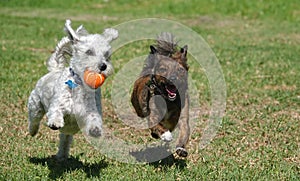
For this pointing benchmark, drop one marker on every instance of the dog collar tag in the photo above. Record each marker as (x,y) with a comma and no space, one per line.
(71,84)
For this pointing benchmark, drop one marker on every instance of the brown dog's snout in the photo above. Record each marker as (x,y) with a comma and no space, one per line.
(173,78)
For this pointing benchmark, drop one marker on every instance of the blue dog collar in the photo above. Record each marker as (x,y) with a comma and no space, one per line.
(77,80)
(71,84)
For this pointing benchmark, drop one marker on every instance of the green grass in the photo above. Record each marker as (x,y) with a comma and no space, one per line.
(256,42)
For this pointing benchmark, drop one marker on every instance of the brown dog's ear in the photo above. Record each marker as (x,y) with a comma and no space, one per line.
(183,51)
(183,58)
(152,49)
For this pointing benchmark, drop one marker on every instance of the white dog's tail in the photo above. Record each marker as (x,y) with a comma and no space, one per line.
(60,57)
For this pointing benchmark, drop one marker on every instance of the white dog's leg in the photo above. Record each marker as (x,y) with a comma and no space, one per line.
(35,113)
(94,116)
(55,117)
(64,146)
(60,106)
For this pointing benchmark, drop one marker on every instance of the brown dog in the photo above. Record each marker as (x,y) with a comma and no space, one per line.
(161,92)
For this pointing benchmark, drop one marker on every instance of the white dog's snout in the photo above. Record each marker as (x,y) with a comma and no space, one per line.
(102,66)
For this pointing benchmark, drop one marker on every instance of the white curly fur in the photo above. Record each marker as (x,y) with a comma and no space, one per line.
(71,109)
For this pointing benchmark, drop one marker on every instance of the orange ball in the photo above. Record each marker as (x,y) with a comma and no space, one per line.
(93,79)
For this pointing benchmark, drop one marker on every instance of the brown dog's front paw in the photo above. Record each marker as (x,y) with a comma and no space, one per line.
(154,135)
(181,152)
(166,136)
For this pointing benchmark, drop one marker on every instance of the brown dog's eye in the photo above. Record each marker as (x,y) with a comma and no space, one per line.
(89,52)
(181,70)
(162,69)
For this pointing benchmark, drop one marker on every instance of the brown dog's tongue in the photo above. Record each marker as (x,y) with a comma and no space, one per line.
(171,89)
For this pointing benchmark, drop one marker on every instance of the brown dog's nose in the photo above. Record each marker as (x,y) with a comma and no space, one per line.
(102,66)
(173,78)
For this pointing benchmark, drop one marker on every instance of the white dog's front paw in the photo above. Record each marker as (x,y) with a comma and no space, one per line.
(95,131)
(93,125)
(55,125)
(167,136)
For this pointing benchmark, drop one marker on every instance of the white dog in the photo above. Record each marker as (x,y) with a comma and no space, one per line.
(62,94)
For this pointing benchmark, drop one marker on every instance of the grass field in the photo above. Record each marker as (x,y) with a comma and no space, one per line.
(256,42)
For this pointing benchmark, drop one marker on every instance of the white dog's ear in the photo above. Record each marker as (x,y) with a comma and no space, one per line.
(81,31)
(110,34)
(71,33)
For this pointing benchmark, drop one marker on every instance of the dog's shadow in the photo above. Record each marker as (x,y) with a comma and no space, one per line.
(150,155)
(58,168)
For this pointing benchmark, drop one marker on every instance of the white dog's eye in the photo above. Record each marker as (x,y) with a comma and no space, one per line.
(90,52)
(107,54)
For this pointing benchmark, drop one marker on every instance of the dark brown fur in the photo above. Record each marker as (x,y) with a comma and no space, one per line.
(153,93)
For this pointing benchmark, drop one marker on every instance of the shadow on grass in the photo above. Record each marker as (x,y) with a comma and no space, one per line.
(159,157)
(58,168)
(169,161)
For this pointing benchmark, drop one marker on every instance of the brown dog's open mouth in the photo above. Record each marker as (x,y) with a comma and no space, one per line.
(171,90)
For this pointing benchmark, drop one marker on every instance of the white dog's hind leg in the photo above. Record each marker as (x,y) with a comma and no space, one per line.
(35,113)
(64,146)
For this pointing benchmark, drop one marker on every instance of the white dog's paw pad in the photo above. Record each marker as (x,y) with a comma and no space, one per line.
(167,136)
(55,126)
